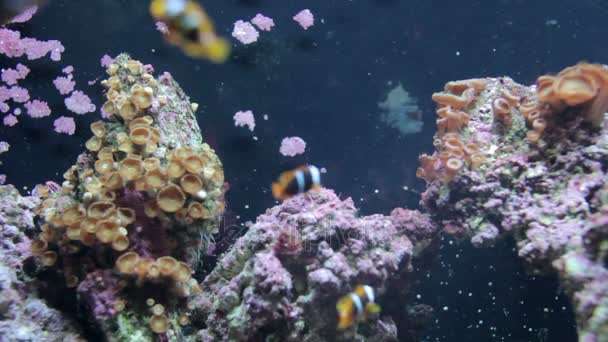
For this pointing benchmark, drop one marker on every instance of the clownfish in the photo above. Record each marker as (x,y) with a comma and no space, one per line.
(296,181)
(356,306)
(190,28)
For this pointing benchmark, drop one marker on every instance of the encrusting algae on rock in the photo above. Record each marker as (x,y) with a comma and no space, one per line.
(281,280)
(136,210)
(541,178)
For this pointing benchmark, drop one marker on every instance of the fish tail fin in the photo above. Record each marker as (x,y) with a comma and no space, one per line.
(218,50)
(372,308)
(277,190)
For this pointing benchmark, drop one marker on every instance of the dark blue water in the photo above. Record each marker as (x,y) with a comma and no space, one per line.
(324,85)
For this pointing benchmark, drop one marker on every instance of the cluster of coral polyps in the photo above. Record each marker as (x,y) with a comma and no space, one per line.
(282,279)
(543,180)
(136,209)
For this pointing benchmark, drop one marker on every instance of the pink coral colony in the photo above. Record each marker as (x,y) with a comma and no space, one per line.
(262,22)
(305,18)
(244,118)
(244,32)
(292,146)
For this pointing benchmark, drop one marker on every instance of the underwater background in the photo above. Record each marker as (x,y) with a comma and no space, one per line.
(325,85)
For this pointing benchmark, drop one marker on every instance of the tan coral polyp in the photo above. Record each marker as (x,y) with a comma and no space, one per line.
(196,210)
(142,98)
(145,120)
(533,136)
(171,198)
(98,128)
(575,89)
(175,169)
(100,209)
(106,230)
(167,265)
(94,144)
(155,179)
(500,107)
(131,168)
(73,215)
(104,166)
(194,164)
(127,110)
(151,163)
(454,165)
(159,324)
(48,258)
(191,184)
(105,153)
(125,216)
(183,272)
(125,264)
(38,246)
(120,242)
(89,225)
(140,135)
(112,181)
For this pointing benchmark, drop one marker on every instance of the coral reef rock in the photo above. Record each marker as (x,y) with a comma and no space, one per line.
(24,315)
(531,163)
(282,279)
(129,223)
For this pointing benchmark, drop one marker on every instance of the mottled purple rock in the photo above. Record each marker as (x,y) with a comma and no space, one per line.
(256,292)
(550,196)
(24,316)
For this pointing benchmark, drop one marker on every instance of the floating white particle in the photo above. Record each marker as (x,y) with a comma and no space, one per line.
(457,53)
(445,308)
(246,206)
(376,191)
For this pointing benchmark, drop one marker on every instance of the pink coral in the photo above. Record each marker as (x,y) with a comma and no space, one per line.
(68,69)
(106,60)
(18,94)
(292,146)
(244,118)
(79,103)
(11,76)
(245,32)
(65,125)
(305,18)
(65,85)
(37,109)
(262,22)
(10,120)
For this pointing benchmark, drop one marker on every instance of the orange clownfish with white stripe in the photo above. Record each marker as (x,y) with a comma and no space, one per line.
(297,181)
(190,28)
(357,306)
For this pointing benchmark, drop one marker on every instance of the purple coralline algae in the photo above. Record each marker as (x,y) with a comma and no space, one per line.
(541,178)
(282,279)
(24,314)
